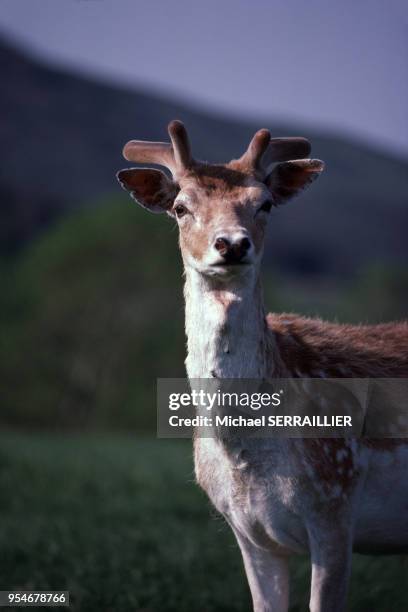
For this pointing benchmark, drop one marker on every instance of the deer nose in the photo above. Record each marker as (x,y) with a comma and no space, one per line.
(232,250)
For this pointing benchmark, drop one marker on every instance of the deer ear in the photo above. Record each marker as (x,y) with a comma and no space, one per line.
(289,178)
(152,189)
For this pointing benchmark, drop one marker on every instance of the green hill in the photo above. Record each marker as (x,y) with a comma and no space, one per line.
(93,314)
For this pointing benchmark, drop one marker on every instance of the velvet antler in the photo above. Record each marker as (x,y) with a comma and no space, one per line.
(175,156)
(263,151)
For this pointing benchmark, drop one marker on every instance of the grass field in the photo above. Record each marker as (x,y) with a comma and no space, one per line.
(119,523)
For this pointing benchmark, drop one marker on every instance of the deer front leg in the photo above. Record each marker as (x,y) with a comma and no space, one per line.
(268,577)
(331,565)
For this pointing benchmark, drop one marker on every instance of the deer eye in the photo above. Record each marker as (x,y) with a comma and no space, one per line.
(180,210)
(266,207)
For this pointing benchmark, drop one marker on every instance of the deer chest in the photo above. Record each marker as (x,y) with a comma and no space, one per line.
(256,494)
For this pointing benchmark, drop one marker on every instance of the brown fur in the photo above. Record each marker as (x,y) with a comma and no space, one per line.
(312,347)
(333,465)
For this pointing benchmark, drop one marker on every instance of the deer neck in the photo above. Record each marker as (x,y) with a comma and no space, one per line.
(226,328)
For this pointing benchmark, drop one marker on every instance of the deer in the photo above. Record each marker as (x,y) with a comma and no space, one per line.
(281,496)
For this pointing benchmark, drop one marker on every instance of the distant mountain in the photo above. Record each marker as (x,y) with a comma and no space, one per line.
(61,137)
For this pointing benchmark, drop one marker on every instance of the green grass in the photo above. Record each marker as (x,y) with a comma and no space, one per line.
(118,521)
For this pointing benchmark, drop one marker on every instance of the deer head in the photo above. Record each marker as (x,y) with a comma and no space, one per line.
(221,210)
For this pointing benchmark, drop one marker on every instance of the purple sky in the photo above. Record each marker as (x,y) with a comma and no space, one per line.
(337,64)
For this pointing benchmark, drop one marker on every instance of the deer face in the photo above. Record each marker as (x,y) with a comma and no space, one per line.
(221,210)
(221,214)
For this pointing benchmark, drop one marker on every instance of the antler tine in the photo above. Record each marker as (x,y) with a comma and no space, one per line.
(176,156)
(181,144)
(263,151)
(257,148)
